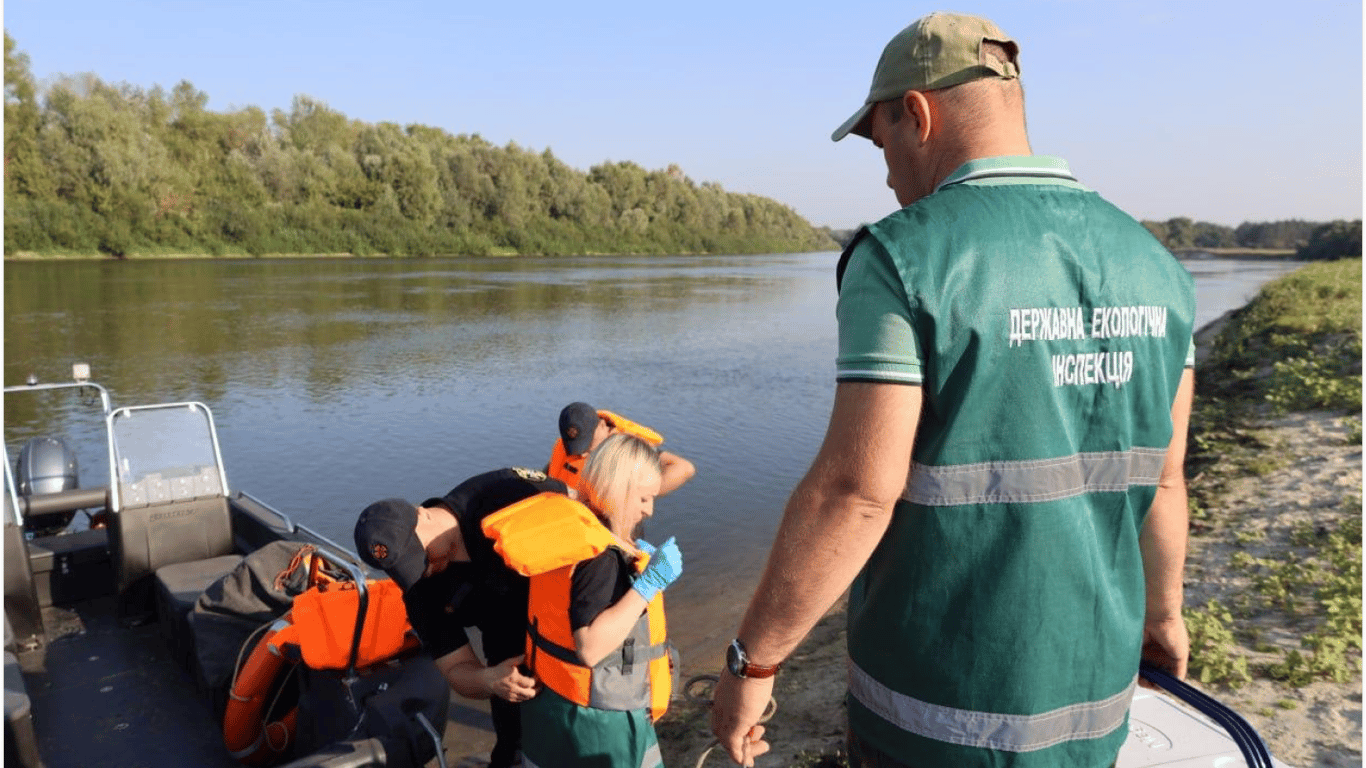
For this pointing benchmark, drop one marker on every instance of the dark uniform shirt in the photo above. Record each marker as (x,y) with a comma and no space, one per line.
(483,592)
(597,584)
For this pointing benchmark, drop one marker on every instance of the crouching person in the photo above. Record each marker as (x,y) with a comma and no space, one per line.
(452,579)
(596,635)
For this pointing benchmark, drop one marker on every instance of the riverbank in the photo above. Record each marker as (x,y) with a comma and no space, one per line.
(1285,489)
(493,253)
(1254,254)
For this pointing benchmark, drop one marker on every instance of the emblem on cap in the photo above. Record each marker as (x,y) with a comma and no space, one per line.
(380,551)
(572,432)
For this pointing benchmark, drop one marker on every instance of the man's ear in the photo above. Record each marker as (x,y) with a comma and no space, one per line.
(917,107)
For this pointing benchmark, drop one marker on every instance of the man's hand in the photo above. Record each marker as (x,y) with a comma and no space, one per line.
(737,705)
(1166,645)
(507,682)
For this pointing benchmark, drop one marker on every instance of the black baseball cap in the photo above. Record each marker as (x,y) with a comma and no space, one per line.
(578,422)
(386,538)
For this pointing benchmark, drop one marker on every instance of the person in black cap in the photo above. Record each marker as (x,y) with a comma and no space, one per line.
(583,428)
(452,579)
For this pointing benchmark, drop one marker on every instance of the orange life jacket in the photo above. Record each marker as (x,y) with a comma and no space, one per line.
(320,627)
(568,469)
(545,537)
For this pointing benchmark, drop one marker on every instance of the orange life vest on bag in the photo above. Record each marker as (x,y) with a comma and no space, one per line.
(545,537)
(317,630)
(568,469)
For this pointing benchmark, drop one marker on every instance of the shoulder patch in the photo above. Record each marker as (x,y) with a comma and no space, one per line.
(530,475)
(844,257)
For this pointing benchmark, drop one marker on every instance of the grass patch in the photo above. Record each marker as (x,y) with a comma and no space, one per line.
(1297,345)
(1214,653)
(1316,585)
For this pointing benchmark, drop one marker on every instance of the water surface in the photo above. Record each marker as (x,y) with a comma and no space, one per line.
(336,382)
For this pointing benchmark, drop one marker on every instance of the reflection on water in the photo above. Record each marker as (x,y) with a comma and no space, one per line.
(336,382)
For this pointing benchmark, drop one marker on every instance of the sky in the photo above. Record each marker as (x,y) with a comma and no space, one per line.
(1220,111)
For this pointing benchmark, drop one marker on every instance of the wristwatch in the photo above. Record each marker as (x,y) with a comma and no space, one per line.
(737,661)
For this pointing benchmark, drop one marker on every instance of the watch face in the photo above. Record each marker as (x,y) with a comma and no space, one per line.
(735,661)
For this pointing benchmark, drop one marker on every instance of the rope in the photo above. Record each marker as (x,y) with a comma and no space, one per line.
(703,695)
(250,642)
(294,563)
(265,715)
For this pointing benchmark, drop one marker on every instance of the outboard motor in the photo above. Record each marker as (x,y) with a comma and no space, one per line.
(46,465)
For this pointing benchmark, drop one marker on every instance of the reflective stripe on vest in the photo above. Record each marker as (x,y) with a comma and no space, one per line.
(1005,482)
(990,730)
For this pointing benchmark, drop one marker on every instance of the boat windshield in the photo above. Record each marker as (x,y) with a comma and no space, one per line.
(163,453)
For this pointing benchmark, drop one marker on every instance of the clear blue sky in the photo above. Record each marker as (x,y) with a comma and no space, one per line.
(1221,111)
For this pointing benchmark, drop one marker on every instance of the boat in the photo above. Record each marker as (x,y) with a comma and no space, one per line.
(110,659)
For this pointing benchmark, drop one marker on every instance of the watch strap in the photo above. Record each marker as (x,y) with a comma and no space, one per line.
(747,668)
(760,671)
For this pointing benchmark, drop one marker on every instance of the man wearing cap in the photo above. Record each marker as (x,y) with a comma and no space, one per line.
(1001,482)
(583,428)
(451,579)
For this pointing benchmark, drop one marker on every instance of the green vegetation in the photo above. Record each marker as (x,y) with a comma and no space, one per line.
(1295,347)
(1314,587)
(1214,657)
(115,169)
(1306,240)
(1311,241)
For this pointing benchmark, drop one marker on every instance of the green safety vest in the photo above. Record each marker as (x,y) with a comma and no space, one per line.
(999,621)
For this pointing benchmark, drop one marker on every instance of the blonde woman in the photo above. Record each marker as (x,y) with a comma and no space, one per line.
(597,640)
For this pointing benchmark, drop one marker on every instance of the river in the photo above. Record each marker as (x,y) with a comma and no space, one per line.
(336,382)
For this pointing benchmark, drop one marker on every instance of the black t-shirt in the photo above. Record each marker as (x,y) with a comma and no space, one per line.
(597,584)
(484,592)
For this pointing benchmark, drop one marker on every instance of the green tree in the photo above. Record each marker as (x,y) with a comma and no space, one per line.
(1334,240)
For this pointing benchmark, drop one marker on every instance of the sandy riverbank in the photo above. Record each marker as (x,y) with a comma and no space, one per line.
(1315,726)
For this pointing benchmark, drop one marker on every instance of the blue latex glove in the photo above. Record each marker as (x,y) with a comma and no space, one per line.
(666,564)
(645,546)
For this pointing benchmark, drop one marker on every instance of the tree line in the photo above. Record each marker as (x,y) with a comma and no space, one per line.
(1311,241)
(118,169)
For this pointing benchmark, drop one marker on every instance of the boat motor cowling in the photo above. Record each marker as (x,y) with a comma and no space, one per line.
(46,465)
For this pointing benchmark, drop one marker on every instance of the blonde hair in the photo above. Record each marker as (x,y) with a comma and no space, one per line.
(611,471)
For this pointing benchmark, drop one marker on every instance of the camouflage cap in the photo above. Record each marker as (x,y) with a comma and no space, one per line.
(936,51)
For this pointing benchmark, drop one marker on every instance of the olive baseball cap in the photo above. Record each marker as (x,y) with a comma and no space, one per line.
(936,51)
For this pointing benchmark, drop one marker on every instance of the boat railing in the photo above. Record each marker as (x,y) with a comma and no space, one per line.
(289,526)
(19,506)
(434,736)
(62,501)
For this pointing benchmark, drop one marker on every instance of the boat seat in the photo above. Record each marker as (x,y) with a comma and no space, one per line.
(23,612)
(21,741)
(145,539)
(178,586)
